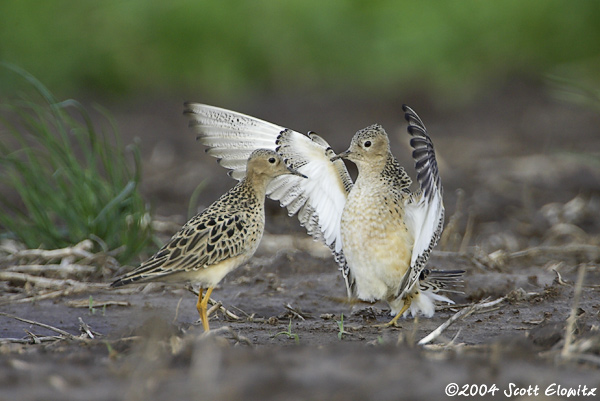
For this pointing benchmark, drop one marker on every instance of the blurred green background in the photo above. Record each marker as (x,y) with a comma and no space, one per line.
(454,49)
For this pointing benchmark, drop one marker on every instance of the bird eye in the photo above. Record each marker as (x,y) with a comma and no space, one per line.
(367,144)
(272,160)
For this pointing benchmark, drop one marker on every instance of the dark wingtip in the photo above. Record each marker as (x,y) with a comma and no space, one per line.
(281,133)
(409,113)
(117,283)
(187,109)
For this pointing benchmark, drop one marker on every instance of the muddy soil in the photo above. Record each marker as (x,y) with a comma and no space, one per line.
(521,173)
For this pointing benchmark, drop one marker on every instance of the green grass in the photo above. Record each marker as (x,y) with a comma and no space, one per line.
(92,309)
(289,334)
(230,47)
(64,180)
(341,330)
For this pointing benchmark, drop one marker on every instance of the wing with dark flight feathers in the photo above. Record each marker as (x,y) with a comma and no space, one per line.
(425,208)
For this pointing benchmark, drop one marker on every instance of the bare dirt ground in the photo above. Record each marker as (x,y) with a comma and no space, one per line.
(521,173)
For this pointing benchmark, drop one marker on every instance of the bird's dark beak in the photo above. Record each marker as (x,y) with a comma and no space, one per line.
(342,155)
(296,172)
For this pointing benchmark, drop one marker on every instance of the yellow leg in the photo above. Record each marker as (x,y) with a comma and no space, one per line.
(202,305)
(393,322)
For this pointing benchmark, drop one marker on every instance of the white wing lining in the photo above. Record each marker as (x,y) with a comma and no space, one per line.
(325,190)
(425,209)
(318,200)
(230,136)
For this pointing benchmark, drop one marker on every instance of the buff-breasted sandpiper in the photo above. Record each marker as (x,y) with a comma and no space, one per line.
(219,239)
(381,233)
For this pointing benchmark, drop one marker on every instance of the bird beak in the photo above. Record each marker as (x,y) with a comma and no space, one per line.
(342,155)
(296,172)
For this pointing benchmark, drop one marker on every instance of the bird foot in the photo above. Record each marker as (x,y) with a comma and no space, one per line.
(394,321)
(391,323)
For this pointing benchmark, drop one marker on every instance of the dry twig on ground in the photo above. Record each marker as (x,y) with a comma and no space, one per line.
(80,251)
(46,326)
(570,329)
(61,270)
(58,287)
(459,315)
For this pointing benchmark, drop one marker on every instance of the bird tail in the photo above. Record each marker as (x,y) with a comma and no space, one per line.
(122,281)
(441,280)
(148,270)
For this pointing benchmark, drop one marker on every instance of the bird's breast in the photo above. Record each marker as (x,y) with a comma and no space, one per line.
(376,242)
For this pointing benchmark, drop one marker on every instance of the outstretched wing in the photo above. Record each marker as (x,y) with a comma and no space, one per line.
(325,191)
(230,136)
(425,208)
(318,200)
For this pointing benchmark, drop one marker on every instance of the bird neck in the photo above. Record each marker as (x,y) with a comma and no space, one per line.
(256,184)
(372,167)
(383,172)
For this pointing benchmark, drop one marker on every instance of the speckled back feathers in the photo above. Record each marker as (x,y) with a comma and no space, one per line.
(232,226)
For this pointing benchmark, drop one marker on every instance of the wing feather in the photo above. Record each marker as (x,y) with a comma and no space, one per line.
(197,245)
(318,201)
(425,208)
(326,188)
(230,136)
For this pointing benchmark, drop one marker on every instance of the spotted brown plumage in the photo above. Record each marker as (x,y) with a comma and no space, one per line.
(381,233)
(219,239)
